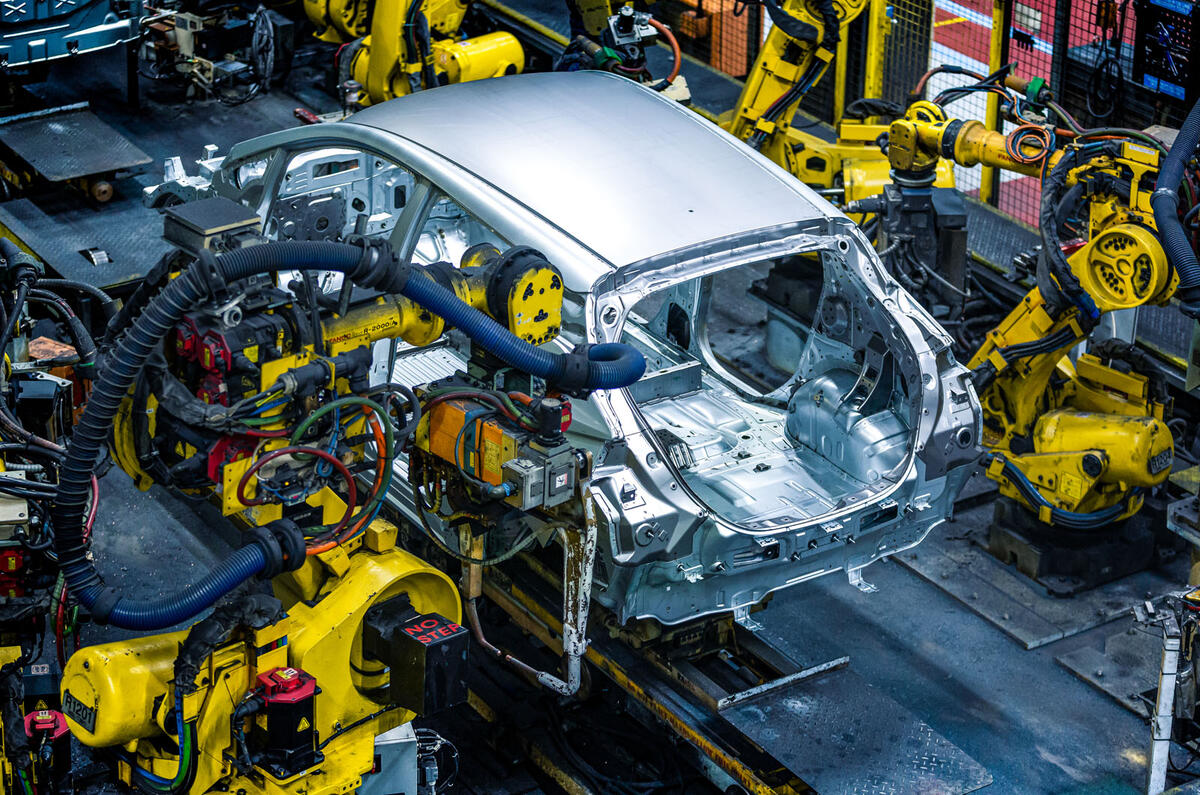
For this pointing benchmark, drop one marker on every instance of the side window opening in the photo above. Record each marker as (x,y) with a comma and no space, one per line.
(329,194)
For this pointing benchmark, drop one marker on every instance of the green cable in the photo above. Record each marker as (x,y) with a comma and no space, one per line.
(1137,136)
(386,456)
(522,415)
(443,390)
(57,591)
(519,412)
(183,771)
(25,785)
(1125,133)
(255,422)
(349,400)
(512,551)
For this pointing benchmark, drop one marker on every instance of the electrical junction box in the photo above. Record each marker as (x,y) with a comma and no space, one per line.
(395,768)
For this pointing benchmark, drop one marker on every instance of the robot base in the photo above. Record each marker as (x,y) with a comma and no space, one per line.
(1069,562)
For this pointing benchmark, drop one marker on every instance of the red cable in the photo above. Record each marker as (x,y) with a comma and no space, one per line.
(475,397)
(380,471)
(675,51)
(351,491)
(60,625)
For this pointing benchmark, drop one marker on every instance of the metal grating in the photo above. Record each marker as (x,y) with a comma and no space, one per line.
(725,34)
(1166,329)
(962,31)
(994,238)
(820,99)
(906,53)
(1100,56)
(70,144)
(728,36)
(1095,64)
(841,735)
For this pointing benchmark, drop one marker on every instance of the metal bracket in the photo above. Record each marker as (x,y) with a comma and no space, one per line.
(741,616)
(775,684)
(856,579)
(693,573)
(1163,717)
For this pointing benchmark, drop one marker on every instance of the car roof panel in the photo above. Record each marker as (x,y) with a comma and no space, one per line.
(624,171)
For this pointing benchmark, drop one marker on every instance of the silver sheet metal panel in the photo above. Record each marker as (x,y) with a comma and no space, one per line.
(626,172)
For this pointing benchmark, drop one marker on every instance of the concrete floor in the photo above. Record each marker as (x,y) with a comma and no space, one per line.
(1034,726)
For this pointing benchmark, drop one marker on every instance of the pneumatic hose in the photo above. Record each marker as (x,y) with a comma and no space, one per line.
(603,367)
(607,366)
(106,605)
(1165,203)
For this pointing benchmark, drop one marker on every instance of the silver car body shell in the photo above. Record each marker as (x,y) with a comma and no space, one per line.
(629,194)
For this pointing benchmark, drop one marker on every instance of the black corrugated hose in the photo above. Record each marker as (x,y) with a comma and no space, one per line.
(108,307)
(369,265)
(1165,202)
(1053,189)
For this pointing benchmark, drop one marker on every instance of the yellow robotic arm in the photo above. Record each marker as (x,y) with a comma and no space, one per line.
(793,58)
(797,51)
(1077,438)
(287,694)
(926,136)
(1074,440)
(1077,441)
(404,46)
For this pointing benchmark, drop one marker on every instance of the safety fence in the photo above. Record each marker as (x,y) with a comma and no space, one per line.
(1111,63)
(1128,63)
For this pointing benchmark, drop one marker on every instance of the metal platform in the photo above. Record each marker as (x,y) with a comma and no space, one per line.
(69,143)
(822,725)
(128,234)
(58,225)
(1125,667)
(954,559)
(841,735)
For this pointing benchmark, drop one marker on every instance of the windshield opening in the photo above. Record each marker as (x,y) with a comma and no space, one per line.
(748,332)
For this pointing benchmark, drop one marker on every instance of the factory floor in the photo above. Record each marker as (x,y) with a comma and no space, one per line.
(1033,725)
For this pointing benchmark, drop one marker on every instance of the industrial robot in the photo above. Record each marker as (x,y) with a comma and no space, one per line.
(45,329)
(1074,442)
(229,380)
